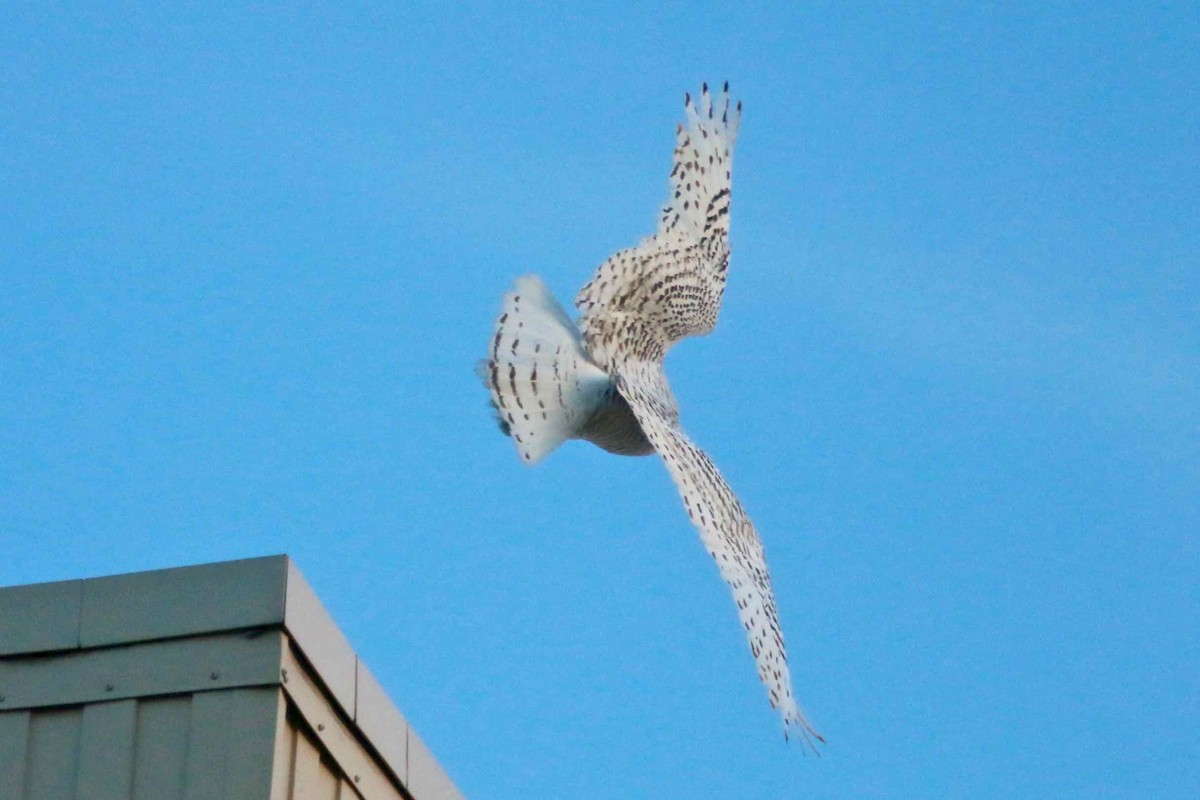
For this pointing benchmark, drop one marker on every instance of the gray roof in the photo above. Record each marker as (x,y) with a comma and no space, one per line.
(253,627)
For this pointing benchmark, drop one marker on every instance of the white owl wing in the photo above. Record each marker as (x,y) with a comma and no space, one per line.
(725,530)
(675,279)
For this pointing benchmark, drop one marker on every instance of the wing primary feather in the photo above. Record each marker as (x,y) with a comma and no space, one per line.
(726,532)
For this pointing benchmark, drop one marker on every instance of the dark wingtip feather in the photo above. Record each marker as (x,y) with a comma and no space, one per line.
(505,428)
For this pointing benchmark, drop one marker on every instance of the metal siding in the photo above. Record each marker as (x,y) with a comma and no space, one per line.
(14,745)
(161,748)
(152,668)
(340,740)
(254,725)
(312,778)
(304,768)
(184,601)
(208,746)
(283,764)
(106,750)
(312,773)
(53,755)
(230,743)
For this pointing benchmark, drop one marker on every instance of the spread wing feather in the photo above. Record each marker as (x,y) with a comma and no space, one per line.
(725,530)
(675,279)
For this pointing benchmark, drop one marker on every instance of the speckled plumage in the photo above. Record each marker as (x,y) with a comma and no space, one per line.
(602,379)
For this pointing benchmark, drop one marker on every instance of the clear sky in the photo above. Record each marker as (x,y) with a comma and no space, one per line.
(248,259)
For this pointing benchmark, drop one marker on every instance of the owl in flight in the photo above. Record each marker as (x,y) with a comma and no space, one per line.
(601,378)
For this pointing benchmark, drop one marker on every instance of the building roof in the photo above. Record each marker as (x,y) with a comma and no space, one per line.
(253,623)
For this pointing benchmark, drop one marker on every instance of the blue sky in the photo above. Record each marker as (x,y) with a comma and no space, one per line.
(250,256)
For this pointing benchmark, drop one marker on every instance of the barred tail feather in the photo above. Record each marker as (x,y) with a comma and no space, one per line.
(543,384)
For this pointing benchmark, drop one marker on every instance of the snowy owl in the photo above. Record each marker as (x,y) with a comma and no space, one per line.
(601,378)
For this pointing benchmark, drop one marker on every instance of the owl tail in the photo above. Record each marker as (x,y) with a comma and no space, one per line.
(544,385)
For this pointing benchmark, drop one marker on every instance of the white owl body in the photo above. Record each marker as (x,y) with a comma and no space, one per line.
(602,380)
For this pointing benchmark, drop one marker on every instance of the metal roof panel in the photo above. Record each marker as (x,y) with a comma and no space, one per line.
(183,601)
(40,617)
